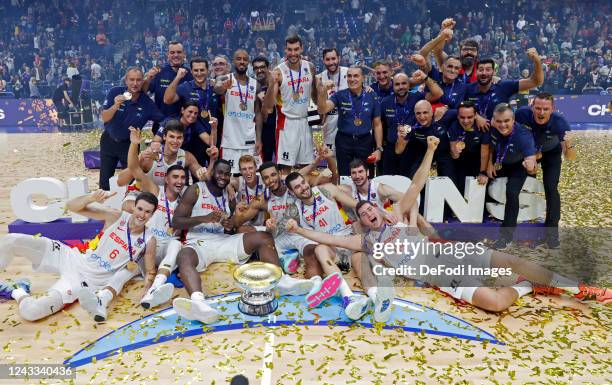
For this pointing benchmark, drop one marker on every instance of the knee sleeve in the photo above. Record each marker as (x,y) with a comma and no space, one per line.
(169,261)
(33,309)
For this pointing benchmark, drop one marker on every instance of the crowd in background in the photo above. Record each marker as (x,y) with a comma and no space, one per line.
(42,42)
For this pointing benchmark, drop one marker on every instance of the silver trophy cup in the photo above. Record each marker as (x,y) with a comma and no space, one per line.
(257,281)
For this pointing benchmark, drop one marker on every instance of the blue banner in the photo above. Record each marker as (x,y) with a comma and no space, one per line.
(585,108)
(28,115)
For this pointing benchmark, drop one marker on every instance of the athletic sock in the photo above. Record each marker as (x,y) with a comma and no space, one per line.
(372,293)
(345,289)
(564,283)
(523,288)
(18,294)
(160,279)
(105,296)
(197,296)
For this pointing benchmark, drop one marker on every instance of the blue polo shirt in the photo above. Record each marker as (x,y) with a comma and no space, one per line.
(437,128)
(206,99)
(453,92)
(380,92)
(499,92)
(135,113)
(367,105)
(519,145)
(547,136)
(160,83)
(393,114)
(191,130)
(472,137)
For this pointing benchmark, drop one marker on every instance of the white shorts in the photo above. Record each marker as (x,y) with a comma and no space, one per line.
(219,248)
(61,259)
(330,133)
(288,241)
(461,288)
(232,155)
(294,145)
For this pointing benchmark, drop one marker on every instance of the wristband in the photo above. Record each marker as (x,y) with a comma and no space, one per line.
(483,173)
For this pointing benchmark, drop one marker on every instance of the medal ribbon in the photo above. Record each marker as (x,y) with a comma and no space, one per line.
(314,212)
(246,189)
(358,196)
(293,81)
(246,96)
(129,239)
(500,157)
(401,118)
(356,115)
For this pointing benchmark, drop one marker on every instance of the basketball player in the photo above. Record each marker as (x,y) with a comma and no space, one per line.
(319,212)
(275,202)
(118,256)
(249,186)
(168,245)
(293,84)
(468,289)
(334,80)
(205,210)
(242,117)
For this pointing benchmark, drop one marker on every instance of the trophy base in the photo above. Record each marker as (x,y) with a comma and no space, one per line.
(258,310)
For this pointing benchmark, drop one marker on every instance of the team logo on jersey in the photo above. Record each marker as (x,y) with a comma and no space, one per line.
(140,241)
(286,155)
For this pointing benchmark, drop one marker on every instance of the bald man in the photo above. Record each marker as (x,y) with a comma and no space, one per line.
(242,117)
(423,126)
(397,110)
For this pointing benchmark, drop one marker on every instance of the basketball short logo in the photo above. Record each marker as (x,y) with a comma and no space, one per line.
(286,155)
(231,162)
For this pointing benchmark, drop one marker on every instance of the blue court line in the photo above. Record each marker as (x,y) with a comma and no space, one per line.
(165,325)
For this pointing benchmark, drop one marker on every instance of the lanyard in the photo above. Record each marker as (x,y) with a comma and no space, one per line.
(221,207)
(167,207)
(246,96)
(200,103)
(401,118)
(246,189)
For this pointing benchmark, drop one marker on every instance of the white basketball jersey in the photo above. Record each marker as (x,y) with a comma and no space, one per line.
(373,196)
(112,254)
(301,84)
(160,222)
(246,194)
(239,125)
(206,204)
(157,173)
(327,217)
(340,83)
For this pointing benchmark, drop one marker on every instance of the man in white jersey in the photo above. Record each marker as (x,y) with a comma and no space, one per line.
(464,287)
(205,210)
(319,212)
(249,186)
(242,116)
(168,244)
(334,80)
(292,85)
(124,250)
(155,164)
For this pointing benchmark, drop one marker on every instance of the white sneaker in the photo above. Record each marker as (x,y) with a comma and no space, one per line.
(90,301)
(382,303)
(355,306)
(324,289)
(157,295)
(294,286)
(195,310)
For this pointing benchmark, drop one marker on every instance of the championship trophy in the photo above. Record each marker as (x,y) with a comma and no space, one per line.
(257,281)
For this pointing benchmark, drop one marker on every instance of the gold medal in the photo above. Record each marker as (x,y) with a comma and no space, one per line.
(358,122)
(538,155)
(498,166)
(132,266)
(296,97)
(408,129)
(243,106)
(204,114)
(460,145)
